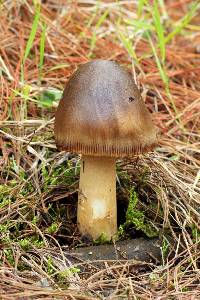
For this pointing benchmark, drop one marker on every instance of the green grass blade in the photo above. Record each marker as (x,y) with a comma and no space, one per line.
(163,9)
(139,24)
(59,66)
(125,40)
(163,75)
(159,30)
(33,33)
(42,48)
(159,65)
(140,7)
(128,46)
(183,22)
(102,18)
(91,19)
(94,14)
(94,36)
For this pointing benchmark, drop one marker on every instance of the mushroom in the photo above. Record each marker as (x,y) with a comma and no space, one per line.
(101,116)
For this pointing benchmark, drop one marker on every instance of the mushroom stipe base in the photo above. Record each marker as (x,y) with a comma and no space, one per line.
(97,208)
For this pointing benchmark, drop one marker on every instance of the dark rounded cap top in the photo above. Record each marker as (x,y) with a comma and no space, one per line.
(102,113)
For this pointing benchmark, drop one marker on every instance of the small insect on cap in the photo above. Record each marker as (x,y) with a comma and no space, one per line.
(102,113)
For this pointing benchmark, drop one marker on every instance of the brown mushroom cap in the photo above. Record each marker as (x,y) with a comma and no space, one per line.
(102,113)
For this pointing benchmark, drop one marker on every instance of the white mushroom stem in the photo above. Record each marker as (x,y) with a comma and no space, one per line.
(97,208)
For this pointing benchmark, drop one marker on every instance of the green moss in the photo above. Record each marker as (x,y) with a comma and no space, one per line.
(62,174)
(136,218)
(28,243)
(4,234)
(53,228)
(25,244)
(50,267)
(121,230)
(195,233)
(4,202)
(38,243)
(35,220)
(103,239)
(9,255)
(3,228)
(68,272)
(165,247)
(4,196)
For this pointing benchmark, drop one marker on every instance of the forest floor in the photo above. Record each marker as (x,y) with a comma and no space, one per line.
(41,45)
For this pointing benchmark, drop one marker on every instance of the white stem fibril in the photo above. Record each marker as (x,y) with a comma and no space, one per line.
(97,208)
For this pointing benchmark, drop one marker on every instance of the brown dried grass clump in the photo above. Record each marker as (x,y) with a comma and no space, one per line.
(38,185)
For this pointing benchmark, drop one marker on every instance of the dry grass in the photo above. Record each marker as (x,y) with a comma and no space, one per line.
(38,185)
